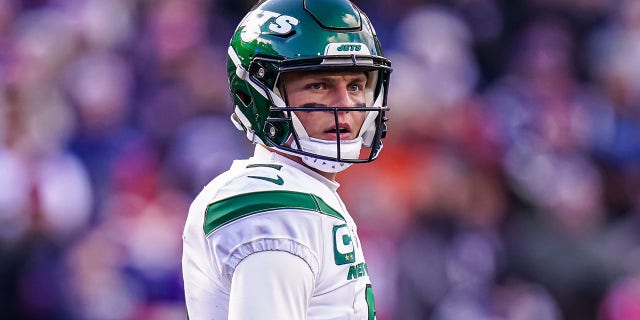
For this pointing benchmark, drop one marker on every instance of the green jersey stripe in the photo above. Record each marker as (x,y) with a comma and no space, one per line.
(231,209)
(267,165)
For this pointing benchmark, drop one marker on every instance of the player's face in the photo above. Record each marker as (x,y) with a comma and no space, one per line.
(339,89)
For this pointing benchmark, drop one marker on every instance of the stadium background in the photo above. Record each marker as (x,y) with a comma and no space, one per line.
(509,187)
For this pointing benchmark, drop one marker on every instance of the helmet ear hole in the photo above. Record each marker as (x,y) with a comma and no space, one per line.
(245,98)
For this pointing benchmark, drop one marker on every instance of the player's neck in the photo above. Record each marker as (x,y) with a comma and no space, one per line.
(329,175)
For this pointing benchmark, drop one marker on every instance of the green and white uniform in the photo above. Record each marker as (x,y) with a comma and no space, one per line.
(271,210)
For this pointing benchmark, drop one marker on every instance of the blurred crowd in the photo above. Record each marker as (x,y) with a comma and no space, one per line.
(509,187)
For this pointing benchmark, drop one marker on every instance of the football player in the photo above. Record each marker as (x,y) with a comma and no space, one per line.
(271,238)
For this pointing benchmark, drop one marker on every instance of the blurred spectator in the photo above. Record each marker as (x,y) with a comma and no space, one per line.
(103,25)
(547,117)
(451,254)
(614,52)
(99,86)
(621,248)
(195,156)
(434,69)
(46,199)
(622,300)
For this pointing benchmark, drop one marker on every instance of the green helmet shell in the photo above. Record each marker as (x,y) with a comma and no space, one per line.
(278,36)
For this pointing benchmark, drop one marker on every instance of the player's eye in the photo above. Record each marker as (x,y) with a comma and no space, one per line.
(355,87)
(316,86)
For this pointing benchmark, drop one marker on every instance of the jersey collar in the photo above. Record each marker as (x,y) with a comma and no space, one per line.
(262,153)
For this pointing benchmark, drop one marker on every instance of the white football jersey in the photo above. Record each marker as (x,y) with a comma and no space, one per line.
(271,203)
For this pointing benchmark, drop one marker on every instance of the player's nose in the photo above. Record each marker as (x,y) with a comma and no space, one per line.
(342,97)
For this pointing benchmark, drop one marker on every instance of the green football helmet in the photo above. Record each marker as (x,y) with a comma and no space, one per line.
(279,36)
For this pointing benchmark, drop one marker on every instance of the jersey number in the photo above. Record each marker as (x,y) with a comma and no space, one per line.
(370,303)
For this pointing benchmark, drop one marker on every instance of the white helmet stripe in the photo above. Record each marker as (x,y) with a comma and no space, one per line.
(244,75)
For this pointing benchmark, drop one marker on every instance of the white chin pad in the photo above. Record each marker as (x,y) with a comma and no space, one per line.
(349,149)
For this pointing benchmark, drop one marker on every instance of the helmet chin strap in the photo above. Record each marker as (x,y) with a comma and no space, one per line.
(349,149)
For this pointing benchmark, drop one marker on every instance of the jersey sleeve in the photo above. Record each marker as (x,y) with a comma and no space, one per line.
(281,293)
(293,231)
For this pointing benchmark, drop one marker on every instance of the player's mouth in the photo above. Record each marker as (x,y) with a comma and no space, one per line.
(343,130)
